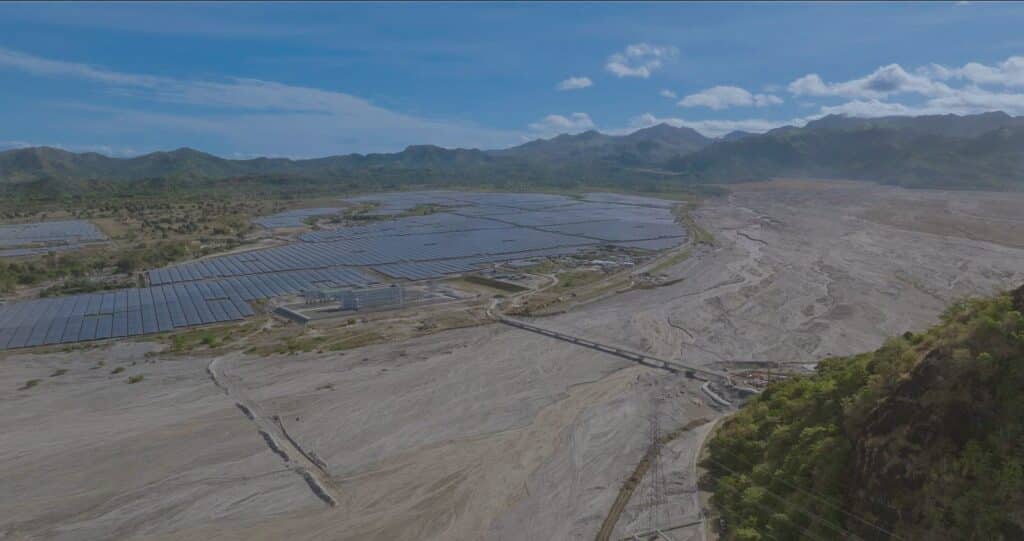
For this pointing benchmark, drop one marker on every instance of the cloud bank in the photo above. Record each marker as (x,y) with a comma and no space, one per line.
(640,60)
(557,124)
(575,83)
(724,97)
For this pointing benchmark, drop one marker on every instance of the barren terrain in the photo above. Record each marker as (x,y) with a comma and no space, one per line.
(485,432)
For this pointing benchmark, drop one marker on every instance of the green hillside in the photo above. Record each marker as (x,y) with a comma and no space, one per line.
(982,152)
(943,151)
(921,439)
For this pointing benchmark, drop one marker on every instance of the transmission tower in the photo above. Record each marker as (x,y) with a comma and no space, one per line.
(654,500)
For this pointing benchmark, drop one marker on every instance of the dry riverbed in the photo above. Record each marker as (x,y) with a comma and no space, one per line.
(486,432)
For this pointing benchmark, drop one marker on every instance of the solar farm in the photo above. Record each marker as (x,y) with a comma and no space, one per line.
(469,232)
(17,240)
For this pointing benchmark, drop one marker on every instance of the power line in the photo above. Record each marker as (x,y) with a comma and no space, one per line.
(822,498)
(803,532)
(813,516)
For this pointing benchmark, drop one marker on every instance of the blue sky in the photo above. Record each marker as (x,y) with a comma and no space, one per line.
(307,80)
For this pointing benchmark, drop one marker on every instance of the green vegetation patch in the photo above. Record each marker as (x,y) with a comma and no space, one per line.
(923,438)
(699,234)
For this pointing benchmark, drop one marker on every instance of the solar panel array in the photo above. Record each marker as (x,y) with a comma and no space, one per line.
(442,222)
(41,250)
(43,237)
(369,252)
(422,270)
(472,230)
(627,199)
(266,286)
(293,218)
(127,312)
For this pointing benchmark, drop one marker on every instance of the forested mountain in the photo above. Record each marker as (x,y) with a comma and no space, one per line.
(921,439)
(649,146)
(981,151)
(992,160)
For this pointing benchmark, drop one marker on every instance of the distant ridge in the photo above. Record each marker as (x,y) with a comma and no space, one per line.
(984,151)
(973,151)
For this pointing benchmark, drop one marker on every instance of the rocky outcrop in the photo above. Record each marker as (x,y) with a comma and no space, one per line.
(927,418)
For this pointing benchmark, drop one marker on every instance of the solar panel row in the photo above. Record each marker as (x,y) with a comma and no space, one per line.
(440,222)
(619,230)
(41,250)
(19,240)
(623,199)
(265,286)
(429,269)
(61,231)
(366,252)
(422,270)
(396,203)
(115,314)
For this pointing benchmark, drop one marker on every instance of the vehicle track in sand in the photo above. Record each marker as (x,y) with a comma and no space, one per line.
(297,459)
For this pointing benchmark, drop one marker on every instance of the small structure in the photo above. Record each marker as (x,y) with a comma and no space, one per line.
(292,315)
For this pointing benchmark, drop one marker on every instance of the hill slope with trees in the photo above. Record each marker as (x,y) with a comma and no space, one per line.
(921,439)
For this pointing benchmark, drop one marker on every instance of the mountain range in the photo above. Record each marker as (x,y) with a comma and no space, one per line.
(975,151)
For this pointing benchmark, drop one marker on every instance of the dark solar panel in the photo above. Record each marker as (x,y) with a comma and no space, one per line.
(88,330)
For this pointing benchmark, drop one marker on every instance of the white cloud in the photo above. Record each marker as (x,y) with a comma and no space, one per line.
(723,97)
(868,109)
(557,124)
(870,94)
(764,100)
(666,93)
(972,100)
(883,82)
(713,128)
(987,89)
(260,116)
(575,83)
(56,68)
(1009,72)
(640,60)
